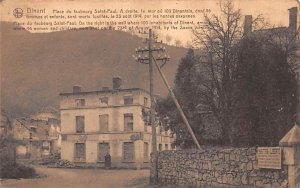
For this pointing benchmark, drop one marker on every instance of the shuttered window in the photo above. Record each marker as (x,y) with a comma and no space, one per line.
(146,151)
(79,124)
(103,123)
(79,152)
(128,151)
(128,122)
(128,100)
(103,149)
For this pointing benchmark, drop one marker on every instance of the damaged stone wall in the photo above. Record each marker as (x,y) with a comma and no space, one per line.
(217,168)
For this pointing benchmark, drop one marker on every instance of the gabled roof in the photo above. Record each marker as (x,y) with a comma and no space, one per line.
(25,122)
(292,137)
(48,109)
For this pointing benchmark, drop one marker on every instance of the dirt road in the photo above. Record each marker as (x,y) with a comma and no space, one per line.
(82,178)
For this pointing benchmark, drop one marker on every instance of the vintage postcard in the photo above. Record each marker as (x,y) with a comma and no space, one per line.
(158,93)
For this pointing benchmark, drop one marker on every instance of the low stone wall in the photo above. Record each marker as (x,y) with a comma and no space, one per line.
(215,168)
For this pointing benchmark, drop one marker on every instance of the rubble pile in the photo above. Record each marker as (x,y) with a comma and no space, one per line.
(63,164)
(51,159)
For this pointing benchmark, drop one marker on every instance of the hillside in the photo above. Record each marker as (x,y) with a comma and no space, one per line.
(35,68)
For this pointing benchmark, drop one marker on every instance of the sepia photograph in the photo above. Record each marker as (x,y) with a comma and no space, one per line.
(150,94)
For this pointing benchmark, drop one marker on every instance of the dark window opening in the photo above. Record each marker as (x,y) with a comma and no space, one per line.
(79,124)
(146,151)
(128,151)
(32,129)
(103,149)
(103,121)
(128,100)
(128,122)
(104,100)
(79,152)
(166,147)
(79,102)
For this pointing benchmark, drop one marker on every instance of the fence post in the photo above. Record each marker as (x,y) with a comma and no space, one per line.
(290,144)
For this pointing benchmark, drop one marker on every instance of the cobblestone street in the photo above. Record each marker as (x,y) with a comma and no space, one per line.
(82,178)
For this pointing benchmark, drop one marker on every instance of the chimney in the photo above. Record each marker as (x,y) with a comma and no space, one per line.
(248,25)
(76,89)
(117,82)
(293,18)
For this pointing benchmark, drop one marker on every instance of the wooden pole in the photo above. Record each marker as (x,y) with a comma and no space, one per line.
(178,106)
(152,111)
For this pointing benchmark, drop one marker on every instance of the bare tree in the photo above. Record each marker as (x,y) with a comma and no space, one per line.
(219,39)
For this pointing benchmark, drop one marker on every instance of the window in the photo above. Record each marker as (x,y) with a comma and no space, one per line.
(79,102)
(166,147)
(128,100)
(159,147)
(46,145)
(103,100)
(46,133)
(173,146)
(146,151)
(128,122)
(103,149)
(145,101)
(128,151)
(79,152)
(103,123)
(79,124)
(32,129)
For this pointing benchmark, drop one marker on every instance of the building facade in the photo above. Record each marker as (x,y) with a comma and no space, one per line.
(109,121)
(5,125)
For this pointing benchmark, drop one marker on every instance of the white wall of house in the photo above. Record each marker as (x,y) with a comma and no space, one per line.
(116,136)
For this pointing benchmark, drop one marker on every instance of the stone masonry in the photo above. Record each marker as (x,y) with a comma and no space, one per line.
(216,168)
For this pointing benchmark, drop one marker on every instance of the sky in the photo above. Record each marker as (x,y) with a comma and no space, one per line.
(276,11)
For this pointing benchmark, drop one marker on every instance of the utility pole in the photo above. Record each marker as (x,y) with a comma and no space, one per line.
(147,59)
(186,122)
(152,110)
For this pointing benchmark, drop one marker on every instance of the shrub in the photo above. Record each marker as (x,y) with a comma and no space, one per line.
(16,171)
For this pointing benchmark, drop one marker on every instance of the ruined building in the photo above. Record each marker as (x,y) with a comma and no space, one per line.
(108,121)
(286,37)
(37,136)
(5,125)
